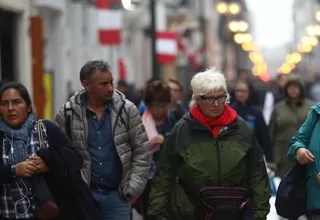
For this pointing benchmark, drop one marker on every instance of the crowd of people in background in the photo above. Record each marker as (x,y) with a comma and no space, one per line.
(112,147)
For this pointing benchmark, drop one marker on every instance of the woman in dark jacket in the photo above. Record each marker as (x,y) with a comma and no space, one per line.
(211,164)
(158,121)
(253,116)
(40,170)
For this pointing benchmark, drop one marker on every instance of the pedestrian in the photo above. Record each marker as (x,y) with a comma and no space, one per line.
(108,131)
(211,164)
(287,117)
(40,169)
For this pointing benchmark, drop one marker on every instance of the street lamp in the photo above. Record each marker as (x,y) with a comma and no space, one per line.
(311,30)
(304,48)
(232,8)
(127,5)
(240,38)
(222,8)
(238,26)
(317,15)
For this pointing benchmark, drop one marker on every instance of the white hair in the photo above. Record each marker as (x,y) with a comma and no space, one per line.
(208,81)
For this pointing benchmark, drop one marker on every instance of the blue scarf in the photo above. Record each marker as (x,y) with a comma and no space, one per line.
(18,138)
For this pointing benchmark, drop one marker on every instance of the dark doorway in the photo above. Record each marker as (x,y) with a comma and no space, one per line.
(7,45)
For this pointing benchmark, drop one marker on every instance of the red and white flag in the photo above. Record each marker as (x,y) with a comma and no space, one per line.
(110,21)
(122,68)
(167,47)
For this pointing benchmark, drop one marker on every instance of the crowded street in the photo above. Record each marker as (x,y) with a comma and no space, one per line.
(159,109)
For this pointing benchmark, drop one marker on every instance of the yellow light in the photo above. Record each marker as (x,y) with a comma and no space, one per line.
(292,65)
(259,69)
(285,68)
(289,58)
(255,71)
(317,15)
(252,56)
(234,8)
(243,26)
(233,26)
(296,57)
(256,57)
(306,48)
(238,38)
(303,48)
(311,30)
(222,8)
(306,40)
(313,41)
(247,46)
(247,38)
(317,30)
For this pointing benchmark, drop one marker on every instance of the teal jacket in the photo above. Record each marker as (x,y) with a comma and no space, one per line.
(308,137)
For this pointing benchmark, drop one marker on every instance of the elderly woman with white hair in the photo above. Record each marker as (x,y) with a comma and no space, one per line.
(211,167)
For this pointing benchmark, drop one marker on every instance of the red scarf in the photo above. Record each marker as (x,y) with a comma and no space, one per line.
(215,125)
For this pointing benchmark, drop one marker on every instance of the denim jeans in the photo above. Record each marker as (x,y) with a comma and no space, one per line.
(113,206)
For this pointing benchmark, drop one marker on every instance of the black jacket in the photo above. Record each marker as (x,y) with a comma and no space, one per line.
(254,117)
(64,181)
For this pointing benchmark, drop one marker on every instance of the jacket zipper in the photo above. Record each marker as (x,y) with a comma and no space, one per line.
(86,141)
(218,163)
(113,134)
(219,156)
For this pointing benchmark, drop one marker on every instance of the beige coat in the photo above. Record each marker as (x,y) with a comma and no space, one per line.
(132,145)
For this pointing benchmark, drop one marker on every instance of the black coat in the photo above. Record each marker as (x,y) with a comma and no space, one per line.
(64,181)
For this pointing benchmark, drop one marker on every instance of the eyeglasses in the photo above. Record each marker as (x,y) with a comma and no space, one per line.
(211,100)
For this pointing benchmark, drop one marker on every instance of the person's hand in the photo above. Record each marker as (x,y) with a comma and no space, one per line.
(304,156)
(156,140)
(26,168)
(40,164)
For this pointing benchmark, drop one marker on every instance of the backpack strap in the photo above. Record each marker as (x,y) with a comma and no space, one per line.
(67,116)
(125,123)
(119,115)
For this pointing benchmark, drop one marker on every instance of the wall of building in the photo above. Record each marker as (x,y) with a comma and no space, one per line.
(23,52)
(70,36)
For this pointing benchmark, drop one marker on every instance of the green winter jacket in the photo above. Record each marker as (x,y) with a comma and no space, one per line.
(189,158)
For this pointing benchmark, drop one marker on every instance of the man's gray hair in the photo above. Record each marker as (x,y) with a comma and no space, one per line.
(93,66)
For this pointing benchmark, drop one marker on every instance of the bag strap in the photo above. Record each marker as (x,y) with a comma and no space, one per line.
(40,134)
(67,116)
(125,123)
(119,115)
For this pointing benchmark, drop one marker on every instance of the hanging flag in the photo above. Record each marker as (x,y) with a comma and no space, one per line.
(122,68)
(167,47)
(110,21)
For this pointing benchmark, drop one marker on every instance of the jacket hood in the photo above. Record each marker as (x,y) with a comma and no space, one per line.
(294,79)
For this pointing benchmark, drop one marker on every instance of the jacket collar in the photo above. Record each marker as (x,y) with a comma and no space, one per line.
(117,100)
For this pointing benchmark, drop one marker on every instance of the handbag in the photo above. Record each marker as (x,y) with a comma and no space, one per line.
(291,197)
(216,202)
(46,206)
(220,203)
